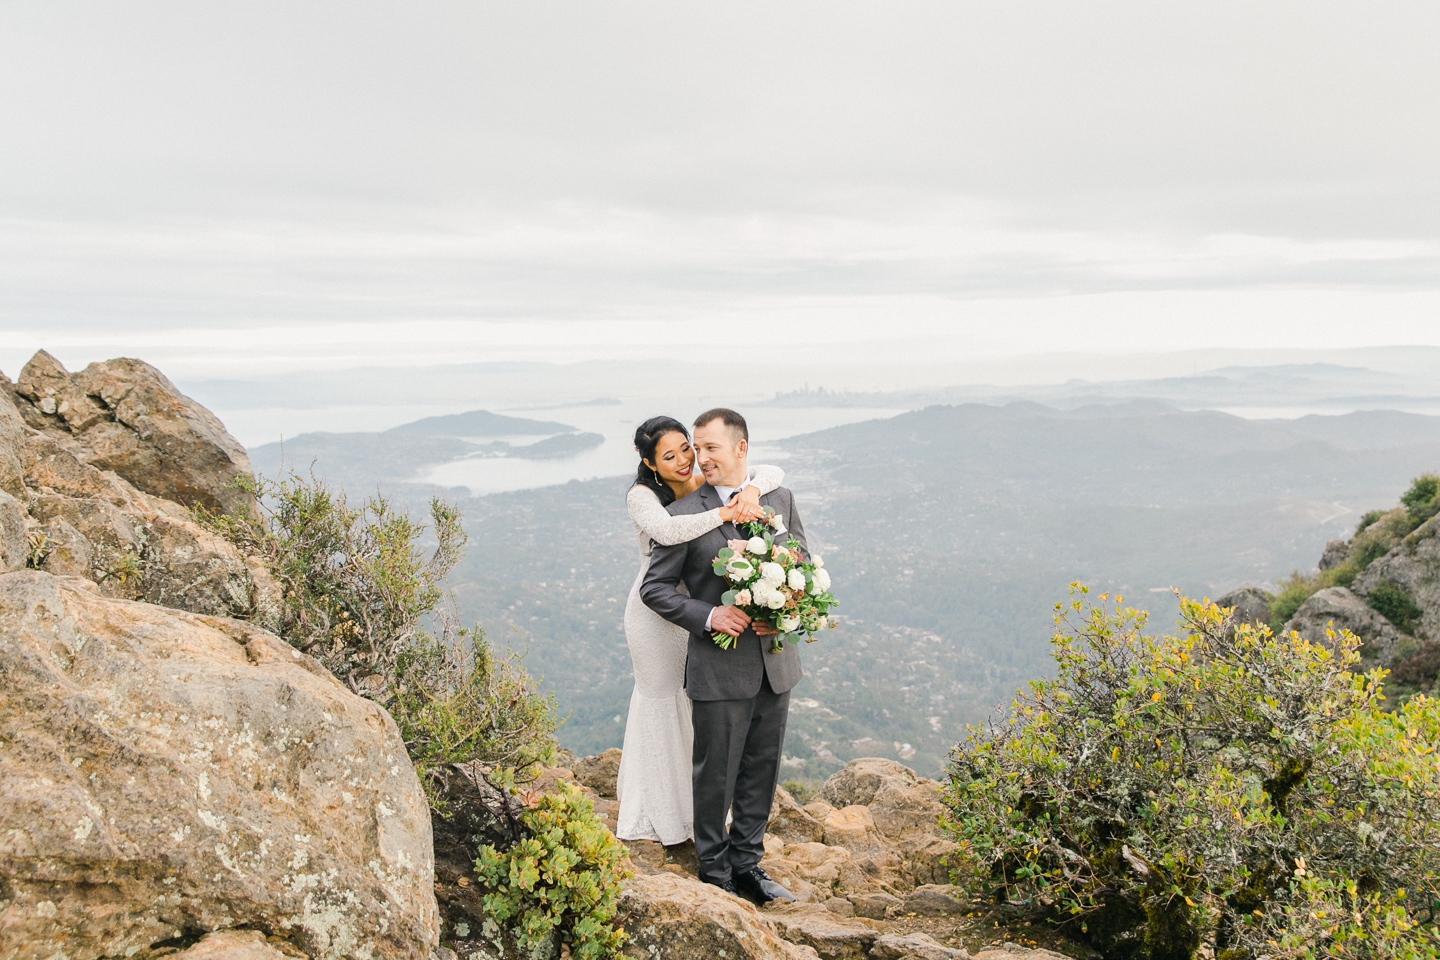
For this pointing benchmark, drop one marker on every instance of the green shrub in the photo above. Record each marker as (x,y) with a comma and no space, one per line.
(563,879)
(355,585)
(1395,605)
(1422,500)
(358,592)
(456,700)
(803,790)
(1292,595)
(1164,793)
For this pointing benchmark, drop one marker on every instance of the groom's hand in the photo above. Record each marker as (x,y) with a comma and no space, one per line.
(764,630)
(729,620)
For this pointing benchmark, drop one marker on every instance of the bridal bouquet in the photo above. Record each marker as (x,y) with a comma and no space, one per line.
(774,584)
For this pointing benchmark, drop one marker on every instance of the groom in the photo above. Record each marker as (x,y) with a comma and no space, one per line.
(741,696)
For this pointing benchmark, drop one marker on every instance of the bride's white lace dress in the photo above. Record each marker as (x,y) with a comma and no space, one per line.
(654,781)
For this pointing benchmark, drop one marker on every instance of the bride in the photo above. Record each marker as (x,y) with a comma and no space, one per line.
(654,780)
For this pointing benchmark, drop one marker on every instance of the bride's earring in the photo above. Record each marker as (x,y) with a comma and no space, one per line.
(657,477)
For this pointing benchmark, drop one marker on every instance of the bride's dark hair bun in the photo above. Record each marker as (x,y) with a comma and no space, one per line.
(647,438)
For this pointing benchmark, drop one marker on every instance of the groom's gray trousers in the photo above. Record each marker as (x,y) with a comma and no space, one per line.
(727,731)
(741,696)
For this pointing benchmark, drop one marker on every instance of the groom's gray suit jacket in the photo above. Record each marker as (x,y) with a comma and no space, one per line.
(712,673)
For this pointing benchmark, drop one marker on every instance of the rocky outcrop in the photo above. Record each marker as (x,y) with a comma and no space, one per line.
(600,773)
(76,519)
(673,917)
(849,858)
(124,416)
(236,945)
(1336,609)
(167,774)
(1250,605)
(1413,567)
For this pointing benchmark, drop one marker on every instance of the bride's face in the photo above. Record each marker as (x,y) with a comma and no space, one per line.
(674,458)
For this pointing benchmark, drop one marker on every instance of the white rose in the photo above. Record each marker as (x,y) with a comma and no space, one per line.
(756,545)
(817,561)
(789,623)
(822,578)
(775,601)
(743,598)
(739,569)
(796,579)
(772,573)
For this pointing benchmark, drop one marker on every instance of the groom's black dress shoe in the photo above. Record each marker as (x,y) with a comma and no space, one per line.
(727,885)
(756,884)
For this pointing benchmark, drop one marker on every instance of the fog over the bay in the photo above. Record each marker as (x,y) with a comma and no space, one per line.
(260,187)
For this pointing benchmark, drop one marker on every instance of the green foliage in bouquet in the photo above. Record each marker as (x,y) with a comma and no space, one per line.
(563,879)
(1224,788)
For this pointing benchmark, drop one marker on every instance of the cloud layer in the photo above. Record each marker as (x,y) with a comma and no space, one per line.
(280,186)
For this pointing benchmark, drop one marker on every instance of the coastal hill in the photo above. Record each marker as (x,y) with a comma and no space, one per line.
(396,457)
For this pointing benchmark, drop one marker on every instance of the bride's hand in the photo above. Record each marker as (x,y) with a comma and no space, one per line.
(743,507)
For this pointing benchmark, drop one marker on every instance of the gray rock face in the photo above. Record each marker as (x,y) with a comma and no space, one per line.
(125,416)
(1251,604)
(1336,553)
(168,773)
(1414,567)
(1340,609)
(922,946)
(14,534)
(83,521)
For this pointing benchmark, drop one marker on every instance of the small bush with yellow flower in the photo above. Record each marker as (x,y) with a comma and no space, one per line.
(1225,790)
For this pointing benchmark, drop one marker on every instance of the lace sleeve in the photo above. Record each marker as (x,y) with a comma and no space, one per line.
(766,477)
(657,524)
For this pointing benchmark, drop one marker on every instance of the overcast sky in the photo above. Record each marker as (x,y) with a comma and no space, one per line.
(226,188)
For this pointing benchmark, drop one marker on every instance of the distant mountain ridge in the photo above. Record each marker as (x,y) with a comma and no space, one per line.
(1318,385)
(479,423)
(394,457)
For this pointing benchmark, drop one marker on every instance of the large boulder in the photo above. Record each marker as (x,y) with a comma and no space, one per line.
(167,774)
(15,534)
(124,415)
(1413,567)
(673,917)
(832,936)
(902,803)
(1337,608)
(789,821)
(1250,605)
(600,773)
(12,438)
(93,523)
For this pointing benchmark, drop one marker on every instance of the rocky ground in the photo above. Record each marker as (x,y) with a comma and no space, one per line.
(864,859)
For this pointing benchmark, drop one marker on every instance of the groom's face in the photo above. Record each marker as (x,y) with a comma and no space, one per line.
(721,452)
